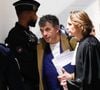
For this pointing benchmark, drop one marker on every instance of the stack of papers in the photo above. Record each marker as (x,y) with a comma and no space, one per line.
(62,60)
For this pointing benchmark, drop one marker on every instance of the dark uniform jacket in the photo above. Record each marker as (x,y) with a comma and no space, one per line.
(9,72)
(23,43)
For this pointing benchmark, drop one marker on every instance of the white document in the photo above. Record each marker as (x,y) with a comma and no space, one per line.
(62,60)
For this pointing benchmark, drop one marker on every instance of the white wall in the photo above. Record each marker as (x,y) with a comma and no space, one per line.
(94,13)
(59,8)
(7,18)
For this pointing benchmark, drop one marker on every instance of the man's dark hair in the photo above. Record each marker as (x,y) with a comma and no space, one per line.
(48,18)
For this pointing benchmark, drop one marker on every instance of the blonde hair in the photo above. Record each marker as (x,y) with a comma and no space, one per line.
(81,19)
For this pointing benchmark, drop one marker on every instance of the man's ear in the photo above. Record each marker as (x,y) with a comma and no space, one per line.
(57,28)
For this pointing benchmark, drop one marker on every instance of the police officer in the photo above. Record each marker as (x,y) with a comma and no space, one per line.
(23,42)
(9,71)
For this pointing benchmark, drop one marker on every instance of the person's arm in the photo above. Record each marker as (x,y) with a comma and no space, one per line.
(13,76)
(65,76)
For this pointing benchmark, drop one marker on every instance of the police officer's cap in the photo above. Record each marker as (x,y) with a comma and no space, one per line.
(26,5)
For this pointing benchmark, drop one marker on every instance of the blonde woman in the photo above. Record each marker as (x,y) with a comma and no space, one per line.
(87,73)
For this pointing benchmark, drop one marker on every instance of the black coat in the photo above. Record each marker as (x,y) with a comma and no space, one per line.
(9,71)
(88,63)
(24,44)
(87,74)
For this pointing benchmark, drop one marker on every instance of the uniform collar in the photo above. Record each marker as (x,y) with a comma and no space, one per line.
(21,27)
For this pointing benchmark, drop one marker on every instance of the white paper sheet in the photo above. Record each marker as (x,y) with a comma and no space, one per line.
(62,60)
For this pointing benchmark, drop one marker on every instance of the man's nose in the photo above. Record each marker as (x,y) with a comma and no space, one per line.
(44,33)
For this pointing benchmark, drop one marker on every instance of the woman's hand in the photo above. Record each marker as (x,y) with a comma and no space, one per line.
(64,77)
